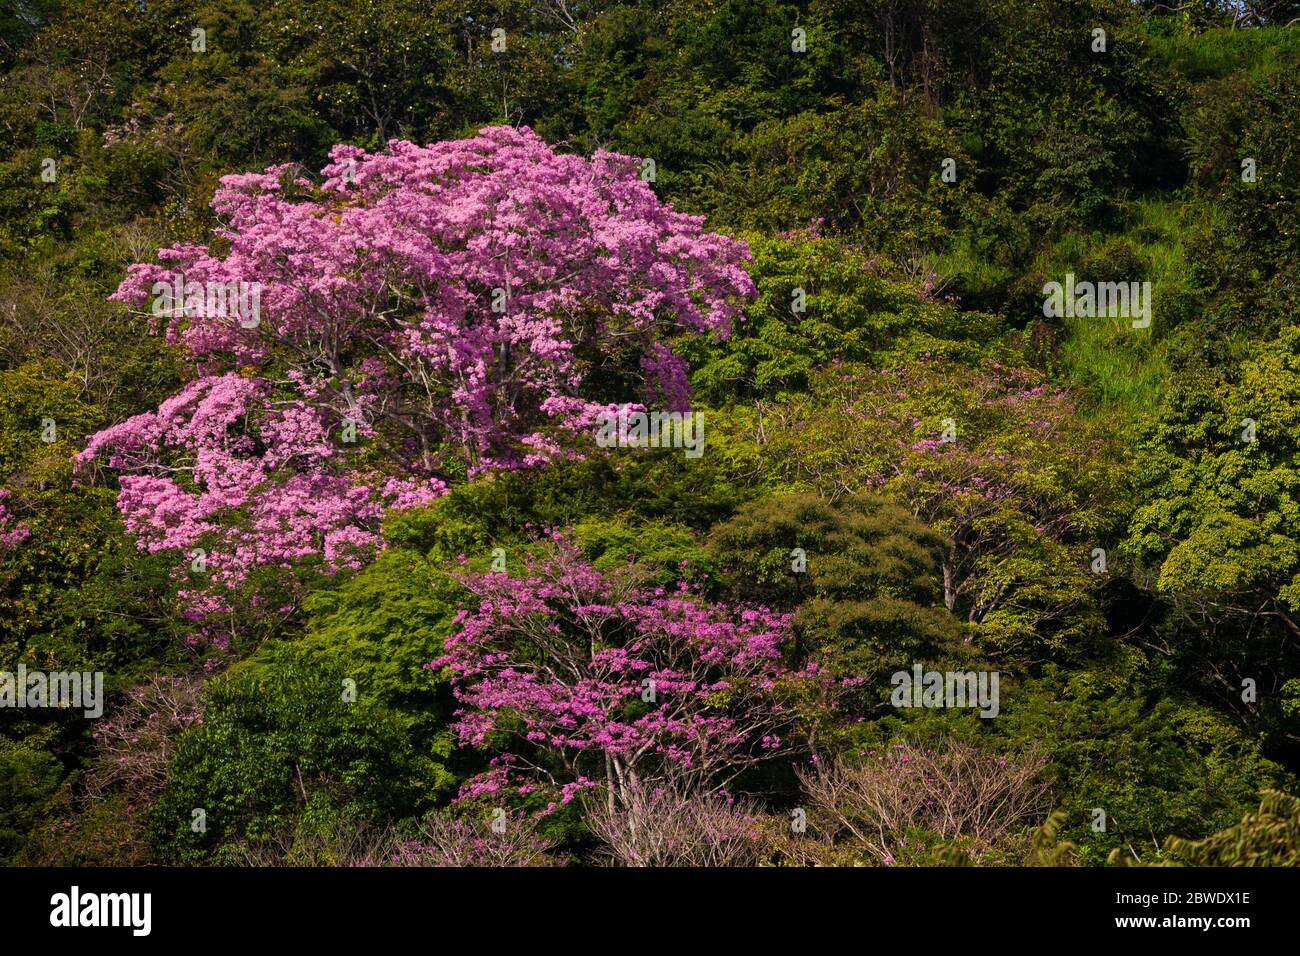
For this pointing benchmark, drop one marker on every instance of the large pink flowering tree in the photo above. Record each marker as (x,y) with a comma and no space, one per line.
(598,679)
(423,313)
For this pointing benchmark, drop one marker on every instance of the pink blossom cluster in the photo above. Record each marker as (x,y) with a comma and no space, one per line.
(12,531)
(248,481)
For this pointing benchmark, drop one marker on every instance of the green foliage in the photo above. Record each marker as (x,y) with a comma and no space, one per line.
(847,312)
(1223,500)
(1046,848)
(381,628)
(76,593)
(861,547)
(862,576)
(871,171)
(279,742)
(31,397)
(1158,766)
(671,552)
(1022,495)
(1261,122)
(287,758)
(29,777)
(1269,836)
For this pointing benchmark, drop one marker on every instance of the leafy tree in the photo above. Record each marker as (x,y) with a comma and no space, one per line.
(862,573)
(1156,765)
(1222,489)
(280,743)
(1021,505)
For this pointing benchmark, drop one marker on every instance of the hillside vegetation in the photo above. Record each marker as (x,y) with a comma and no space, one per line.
(362,586)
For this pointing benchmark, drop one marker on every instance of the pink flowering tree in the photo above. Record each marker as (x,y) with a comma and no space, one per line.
(597,679)
(423,313)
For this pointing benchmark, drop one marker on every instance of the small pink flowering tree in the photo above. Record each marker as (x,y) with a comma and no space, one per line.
(423,313)
(606,681)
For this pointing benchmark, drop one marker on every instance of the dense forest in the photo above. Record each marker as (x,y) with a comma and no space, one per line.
(688,432)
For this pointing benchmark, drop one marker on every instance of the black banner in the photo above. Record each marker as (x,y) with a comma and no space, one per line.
(336,905)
